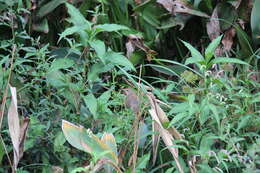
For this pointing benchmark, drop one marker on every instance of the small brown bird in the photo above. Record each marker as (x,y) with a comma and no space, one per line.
(132,101)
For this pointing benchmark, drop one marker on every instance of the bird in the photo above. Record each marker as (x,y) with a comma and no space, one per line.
(132,101)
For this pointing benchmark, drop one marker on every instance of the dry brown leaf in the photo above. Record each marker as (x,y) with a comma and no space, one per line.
(192,165)
(138,2)
(14,126)
(167,138)
(213,26)
(17,132)
(213,29)
(167,4)
(132,101)
(23,131)
(227,40)
(57,169)
(180,6)
(162,116)
(134,42)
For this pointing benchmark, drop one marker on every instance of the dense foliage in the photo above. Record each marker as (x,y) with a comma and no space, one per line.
(137,85)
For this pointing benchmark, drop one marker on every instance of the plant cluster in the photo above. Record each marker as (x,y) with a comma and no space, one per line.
(129,86)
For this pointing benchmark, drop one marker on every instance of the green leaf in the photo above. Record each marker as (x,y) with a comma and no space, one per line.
(76,17)
(210,50)
(196,55)
(215,114)
(73,135)
(2,152)
(255,25)
(143,161)
(99,47)
(110,27)
(59,140)
(85,140)
(91,103)
(49,7)
(72,30)
(78,20)
(244,41)
(56,79)
(227,60)
(61,63)
(118,59)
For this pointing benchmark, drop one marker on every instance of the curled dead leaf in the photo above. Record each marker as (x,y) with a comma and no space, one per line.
(17,131)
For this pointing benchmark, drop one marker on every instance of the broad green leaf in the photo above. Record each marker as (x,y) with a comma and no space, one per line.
(49,7)
(85,140)
(99,149)
(59,141)
(78,20)
(118,59)
(98,68)
(56,79)
(61,63)
(210,50)
(72,30)
(110,140)
(76,17)
(143,161)
(73,135)
(196,55)
(255,25)
(99,47)
(110,27)
(91,103)
(227,60)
